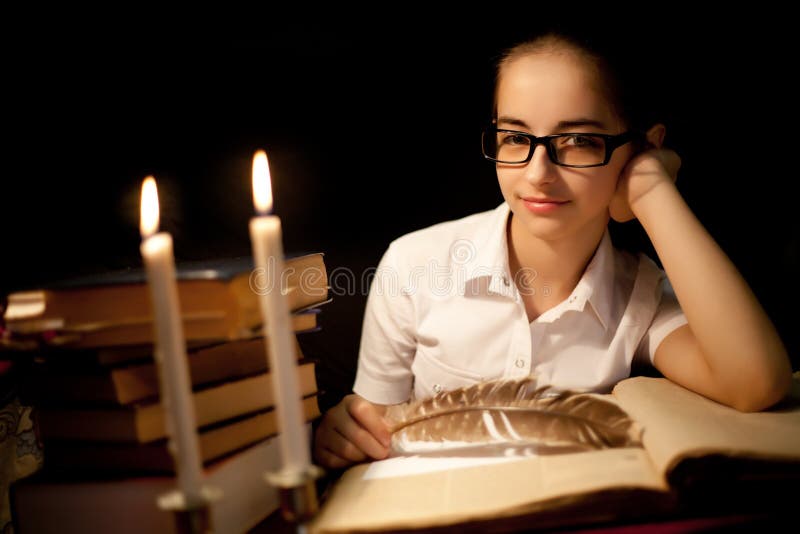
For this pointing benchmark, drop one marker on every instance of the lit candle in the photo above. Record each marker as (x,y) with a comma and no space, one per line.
(170,349)
(265,235)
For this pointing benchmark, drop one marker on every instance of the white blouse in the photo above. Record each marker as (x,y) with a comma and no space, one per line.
(443,312)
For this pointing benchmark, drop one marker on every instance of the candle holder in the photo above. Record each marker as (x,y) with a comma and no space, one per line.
(297,492)
(192,518)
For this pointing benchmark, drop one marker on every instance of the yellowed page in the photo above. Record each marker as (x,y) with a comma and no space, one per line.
(679,423)
(475,493)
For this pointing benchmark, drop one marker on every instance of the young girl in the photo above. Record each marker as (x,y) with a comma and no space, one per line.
(535,285)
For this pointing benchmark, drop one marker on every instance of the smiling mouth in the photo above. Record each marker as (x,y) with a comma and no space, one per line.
(544,200)
(543,206)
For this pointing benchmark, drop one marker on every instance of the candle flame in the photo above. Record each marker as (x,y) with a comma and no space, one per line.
(148,222)
(262,183)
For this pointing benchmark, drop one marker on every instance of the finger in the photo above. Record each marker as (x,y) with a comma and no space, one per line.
(330,442)
(369,418)
(356,443)
(671,162)
(343,447)
(330,460)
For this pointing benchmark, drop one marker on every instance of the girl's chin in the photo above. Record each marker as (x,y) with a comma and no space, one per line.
(543,228)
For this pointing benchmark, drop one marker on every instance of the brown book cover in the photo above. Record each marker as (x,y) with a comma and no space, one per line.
(215,441)
(145,422)
(219,301)
(58,383)
(129,505)
(695,453)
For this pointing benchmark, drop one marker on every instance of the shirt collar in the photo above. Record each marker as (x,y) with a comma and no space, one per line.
(488,268)
(597,283)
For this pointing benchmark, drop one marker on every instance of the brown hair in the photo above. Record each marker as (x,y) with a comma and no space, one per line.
(613,70)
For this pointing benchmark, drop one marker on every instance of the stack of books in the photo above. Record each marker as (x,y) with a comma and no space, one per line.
(95,386)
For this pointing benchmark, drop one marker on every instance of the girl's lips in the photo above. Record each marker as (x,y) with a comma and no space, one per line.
(543,205)
(543,200)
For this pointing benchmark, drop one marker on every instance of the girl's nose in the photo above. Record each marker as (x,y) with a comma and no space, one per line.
(540,170)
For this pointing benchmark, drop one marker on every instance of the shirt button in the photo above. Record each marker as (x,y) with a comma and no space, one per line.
(437,388)
(572,299)
(520,363)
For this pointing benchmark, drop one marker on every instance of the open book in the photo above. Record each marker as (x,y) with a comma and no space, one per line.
(695,452)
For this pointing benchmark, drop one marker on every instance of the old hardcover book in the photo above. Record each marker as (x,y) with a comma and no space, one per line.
(61,383)
(85,458)
(219,300)
(696,453)
(145,422)
(128,505)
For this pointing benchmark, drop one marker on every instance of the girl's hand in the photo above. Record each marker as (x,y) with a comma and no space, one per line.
(352,431)
(643,173)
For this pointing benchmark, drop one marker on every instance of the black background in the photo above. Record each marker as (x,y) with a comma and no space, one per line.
(353,110)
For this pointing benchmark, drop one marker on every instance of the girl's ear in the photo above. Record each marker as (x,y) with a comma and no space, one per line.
(655,135)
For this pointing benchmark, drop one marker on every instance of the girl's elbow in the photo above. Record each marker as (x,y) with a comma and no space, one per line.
(766,391)
(781,387)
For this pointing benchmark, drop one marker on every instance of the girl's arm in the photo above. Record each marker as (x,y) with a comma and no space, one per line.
(730,350)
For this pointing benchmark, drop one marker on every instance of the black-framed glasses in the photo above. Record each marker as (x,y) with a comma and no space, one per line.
(565,149)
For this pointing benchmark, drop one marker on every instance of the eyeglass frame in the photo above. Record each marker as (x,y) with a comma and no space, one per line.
(612,142)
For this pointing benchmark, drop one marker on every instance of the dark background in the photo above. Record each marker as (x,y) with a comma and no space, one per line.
(354,110)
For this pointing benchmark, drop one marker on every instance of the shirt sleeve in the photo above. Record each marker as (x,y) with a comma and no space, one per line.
(668,317)
(388,337)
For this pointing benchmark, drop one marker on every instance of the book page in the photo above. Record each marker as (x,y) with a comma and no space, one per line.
(679,424)
(482,492)
(403,466)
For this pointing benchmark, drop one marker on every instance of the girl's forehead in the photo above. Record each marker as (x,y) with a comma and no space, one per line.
(544,89)
(549,72)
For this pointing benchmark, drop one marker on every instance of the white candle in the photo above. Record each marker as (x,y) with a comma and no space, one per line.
(170,348)
(265,235)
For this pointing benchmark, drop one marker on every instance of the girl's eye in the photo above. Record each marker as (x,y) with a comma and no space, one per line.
(515,140)
(582,141)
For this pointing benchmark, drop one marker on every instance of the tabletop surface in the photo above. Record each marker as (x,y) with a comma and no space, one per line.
(275,524)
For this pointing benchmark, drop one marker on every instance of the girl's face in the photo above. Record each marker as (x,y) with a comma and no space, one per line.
(548,93)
